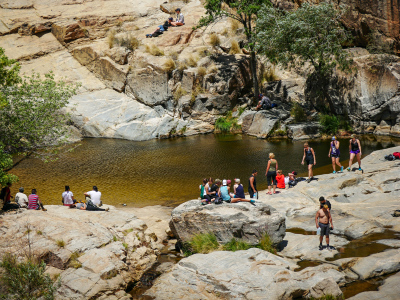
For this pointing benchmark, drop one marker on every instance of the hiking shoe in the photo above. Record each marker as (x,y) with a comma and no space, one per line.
(341,169)
(253,202)
(348,169)
(107,209)
(308,180)
(359,169)
(44,209)
(334,172)
(320,247)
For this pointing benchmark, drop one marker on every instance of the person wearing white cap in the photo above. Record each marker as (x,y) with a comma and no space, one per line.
(334,153)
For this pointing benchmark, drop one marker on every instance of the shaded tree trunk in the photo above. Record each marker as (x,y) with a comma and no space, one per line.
(253,64)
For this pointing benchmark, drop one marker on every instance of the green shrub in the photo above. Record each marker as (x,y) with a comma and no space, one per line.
(298,113)
(227,123)
(241,110)
(201,243)
(330,124)
(266,244)
(25,280)
(235,245)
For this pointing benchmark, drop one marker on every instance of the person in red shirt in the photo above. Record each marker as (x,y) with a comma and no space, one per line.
(280,180)
(34,201)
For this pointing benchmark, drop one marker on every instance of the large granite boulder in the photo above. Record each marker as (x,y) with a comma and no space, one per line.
(228,220)
(304,131)
(250,274)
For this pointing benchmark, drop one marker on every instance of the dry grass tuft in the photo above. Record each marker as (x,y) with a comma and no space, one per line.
(270,75)
(214,40)
(179,92)
(182,65)
(203,52)
(111,38)
(201,71)
(196,91)
(212,69)
(174,55)
(192,61)
(235,24)
(154,50)
(169,65)
(235,49)
(60,243)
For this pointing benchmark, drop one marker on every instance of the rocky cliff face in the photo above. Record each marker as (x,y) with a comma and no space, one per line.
(141,88)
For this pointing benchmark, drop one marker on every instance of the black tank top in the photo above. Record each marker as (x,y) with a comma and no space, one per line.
(254,183)
(308,153)
(354,146)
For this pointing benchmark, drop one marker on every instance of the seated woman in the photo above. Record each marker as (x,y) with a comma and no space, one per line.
(202,189)
(280,180)
(239,193)
(83,206)
(34,201)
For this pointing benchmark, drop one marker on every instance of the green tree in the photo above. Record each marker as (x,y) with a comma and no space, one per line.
(243,11)
(312,34)
(31,117)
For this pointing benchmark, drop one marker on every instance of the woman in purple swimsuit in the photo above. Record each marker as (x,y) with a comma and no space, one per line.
(355,150)
(334,153)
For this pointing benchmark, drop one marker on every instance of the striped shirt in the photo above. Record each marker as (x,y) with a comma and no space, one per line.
(33,201)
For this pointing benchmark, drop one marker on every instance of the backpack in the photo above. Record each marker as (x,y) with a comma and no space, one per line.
(3,193)
(391,157)
(396,155)
(218,200)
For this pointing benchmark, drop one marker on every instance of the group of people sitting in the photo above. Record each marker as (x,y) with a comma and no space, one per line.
(93,200)
(180,20)
(220,191)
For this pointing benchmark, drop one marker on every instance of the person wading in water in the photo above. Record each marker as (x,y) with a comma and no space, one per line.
(334,153)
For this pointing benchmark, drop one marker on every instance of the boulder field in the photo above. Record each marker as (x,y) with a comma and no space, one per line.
(179,83)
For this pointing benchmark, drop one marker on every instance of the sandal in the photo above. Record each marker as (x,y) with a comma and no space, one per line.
(269,193)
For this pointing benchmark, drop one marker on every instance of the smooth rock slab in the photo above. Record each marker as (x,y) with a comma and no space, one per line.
(228,220)
(250,274)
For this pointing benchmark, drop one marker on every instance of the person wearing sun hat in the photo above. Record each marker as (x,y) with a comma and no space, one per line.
(334,153)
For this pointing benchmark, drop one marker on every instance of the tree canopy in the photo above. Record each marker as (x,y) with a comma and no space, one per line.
(311,34)
(30,113)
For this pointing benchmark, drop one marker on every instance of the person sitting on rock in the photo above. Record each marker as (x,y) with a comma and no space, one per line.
(94,196)
(203,192)
(83,206)
(6,197)
(322,219)
(280,180)
(21,198)
(160,29)
(264,103)
(209,193)
(228,197)
(67,197)
(180,20)
(290,180)
(239,192)
(34,201)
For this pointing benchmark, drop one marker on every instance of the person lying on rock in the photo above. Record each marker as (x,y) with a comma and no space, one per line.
(21,198)
(322,219)
(83,206)
(264,103)
(180,20)
(229,197)
(34,201)
(160,29)
(94,196)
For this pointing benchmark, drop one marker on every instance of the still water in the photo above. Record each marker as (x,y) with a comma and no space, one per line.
(168,172)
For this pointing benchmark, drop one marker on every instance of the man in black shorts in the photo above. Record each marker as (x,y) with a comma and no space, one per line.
(322,219)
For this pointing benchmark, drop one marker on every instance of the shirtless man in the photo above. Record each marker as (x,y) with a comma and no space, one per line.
(322,219)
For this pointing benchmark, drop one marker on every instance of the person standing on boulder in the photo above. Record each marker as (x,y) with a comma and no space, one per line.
(253,185)
(355,150)
(322,219)
(271,173)
(309,157)
(334,153)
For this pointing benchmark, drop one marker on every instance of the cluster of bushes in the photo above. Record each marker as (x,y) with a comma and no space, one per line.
(207,242)
(331,124)
(227,123)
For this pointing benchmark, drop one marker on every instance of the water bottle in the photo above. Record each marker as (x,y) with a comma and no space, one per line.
(319,231)
(255,196)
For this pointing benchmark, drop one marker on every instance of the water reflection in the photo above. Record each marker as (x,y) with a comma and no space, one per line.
(168,172)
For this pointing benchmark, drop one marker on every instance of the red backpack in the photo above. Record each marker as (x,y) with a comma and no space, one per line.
(397,155)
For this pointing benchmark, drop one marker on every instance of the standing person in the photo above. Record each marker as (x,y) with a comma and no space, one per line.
(322,201)
(180,20)
(95,196)
(34,201)
(355,150)
(21,198)
(6,197)
(334,153)
(253,185)
(271,173)
(309,156)
(67,197)
(322,219)
(280,180)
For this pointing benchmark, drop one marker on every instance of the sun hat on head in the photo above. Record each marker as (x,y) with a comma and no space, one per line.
(224,182)
(334,138)
(228,181)
(237,180)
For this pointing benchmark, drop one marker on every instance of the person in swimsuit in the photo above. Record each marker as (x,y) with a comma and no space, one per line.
(271,173)
(355,150)
(253,185)
(322,219)
(334,153)
(309,157)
